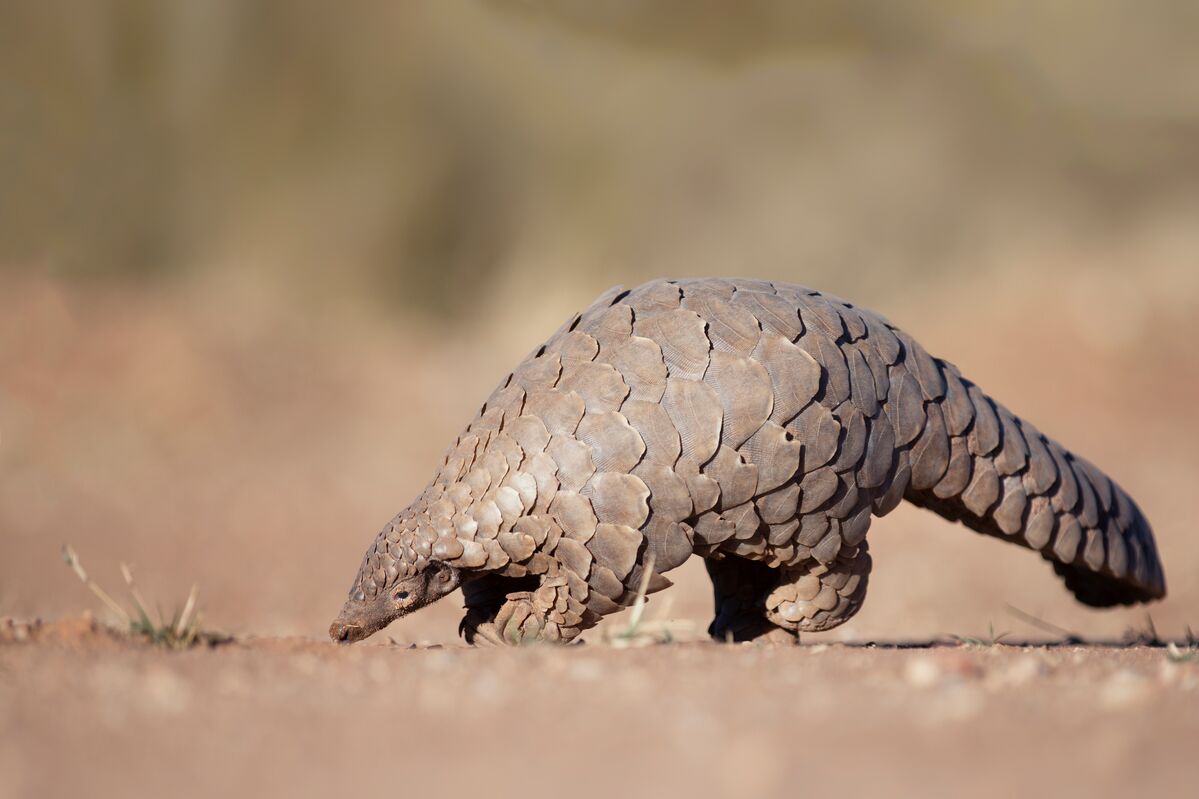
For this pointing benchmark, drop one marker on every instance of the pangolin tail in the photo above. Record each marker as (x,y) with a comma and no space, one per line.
(980,464)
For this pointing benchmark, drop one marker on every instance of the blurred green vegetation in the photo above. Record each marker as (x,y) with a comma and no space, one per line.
(414,151)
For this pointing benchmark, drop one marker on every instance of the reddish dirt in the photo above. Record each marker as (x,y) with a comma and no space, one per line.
(84,716)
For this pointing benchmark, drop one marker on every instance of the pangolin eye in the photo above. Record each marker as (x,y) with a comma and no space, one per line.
(401,595)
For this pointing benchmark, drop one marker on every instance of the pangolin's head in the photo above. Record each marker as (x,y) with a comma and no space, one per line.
(388,587)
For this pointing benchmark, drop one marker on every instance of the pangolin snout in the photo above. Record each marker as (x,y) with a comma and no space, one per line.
(340,633)
(358,620)
(344,633)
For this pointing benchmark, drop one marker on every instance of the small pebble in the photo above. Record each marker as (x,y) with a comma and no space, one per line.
(1124,689)
(922,672)
(585,670)
(1021,672)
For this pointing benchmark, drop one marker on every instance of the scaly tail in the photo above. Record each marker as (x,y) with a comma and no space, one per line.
(977,463)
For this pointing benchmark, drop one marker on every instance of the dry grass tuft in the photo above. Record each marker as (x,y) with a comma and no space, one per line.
(991,639)
(181,631)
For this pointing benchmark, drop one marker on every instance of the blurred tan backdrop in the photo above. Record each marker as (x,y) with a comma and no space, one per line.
(260,262)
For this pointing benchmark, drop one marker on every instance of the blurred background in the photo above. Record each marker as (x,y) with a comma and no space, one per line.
(259,263)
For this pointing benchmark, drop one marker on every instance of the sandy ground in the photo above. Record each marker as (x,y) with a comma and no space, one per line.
(89,716)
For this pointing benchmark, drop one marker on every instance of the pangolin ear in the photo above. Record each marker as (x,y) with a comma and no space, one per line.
(442,575)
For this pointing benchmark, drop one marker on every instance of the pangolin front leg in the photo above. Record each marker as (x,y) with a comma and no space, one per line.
(552,611)
(483,597)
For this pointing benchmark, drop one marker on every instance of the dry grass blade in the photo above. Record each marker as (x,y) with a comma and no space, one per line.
(1185,653)
(138,601)
(993,638)
(642,588)
(642,632)
(181,624)
(628,634)
(143,614)
(72,560)
(1043,625)
(1146,636)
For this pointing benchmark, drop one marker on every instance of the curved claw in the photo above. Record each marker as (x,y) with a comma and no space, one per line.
(469,627)
(486,635)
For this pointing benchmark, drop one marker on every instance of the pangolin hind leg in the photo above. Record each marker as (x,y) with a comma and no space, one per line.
(740,588)
(813,596)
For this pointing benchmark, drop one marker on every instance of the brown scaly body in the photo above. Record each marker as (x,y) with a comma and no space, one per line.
(758,425)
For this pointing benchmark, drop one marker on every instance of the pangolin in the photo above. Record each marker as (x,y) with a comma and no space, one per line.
(758,425)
